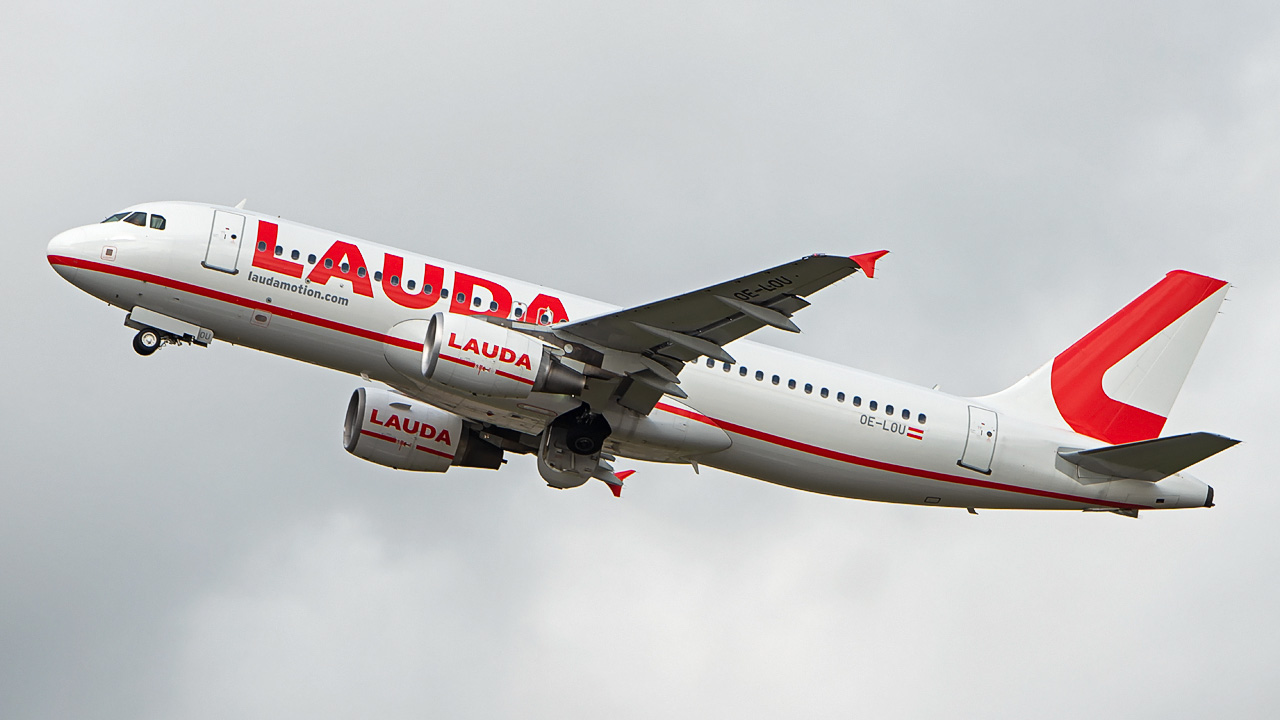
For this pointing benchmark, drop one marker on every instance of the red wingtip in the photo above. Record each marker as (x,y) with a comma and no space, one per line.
(867,261)
(616,488)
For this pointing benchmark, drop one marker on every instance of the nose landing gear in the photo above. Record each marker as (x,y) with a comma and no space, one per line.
(155,330)
(146,342)
(149,340)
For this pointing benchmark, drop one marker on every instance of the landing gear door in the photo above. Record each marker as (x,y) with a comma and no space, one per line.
(981,443)
(224,241)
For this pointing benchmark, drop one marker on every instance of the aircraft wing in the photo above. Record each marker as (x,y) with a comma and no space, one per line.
(647,345)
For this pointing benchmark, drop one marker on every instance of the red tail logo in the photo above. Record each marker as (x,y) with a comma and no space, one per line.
(1078,371)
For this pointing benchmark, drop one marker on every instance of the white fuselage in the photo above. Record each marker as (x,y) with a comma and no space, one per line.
(821,427)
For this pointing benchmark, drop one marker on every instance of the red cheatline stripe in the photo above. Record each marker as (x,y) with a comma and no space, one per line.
(879,465)
(509,376)
(234,300)
(390,439)
(500,373)
(372,434)
(460,361)
(434,452)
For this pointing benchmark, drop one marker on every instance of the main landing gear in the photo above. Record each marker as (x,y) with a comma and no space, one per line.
(584,431)
(571,449)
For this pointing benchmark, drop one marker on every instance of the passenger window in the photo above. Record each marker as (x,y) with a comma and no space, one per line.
(361,272)
(311,259)
(742,371)
(328,263)
(377,276)
(279,251)
(294,254)
(519,311)
(426,289)
(776,379)
(760,375)
(444,292)
(157,222)
(115,218)
(920,418)
(825,392)
(493,306)
(395,281)
(808,388)
(888,409)
(262,246)
(408,284)
(711,363)
(872,405)
(791,384)
(475,301)
(726,367)
(138,218)
(840,396)
(857,401)
(345,267)
(460,297)
(906,414)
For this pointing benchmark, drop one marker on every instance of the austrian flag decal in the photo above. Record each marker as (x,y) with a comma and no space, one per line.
(915,433)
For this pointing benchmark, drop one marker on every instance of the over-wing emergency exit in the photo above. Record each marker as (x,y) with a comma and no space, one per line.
(473,367)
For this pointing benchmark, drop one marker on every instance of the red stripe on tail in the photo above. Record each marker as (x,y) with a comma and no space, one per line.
(1077,372)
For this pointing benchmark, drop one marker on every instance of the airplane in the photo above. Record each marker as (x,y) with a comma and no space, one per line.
(465,367)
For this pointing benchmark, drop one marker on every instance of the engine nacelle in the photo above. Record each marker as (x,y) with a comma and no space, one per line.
(479,357)
(392,430)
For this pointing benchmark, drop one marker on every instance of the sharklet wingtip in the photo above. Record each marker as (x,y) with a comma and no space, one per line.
(867,261)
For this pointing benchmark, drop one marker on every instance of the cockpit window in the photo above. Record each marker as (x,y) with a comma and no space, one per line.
(137,218)
(157,223)
(116,218)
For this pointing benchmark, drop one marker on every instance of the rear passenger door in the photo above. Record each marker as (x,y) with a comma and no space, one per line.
(981,443)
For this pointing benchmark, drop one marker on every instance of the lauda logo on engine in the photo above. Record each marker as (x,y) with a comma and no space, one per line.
(412,427)
(343,260)
(491,351)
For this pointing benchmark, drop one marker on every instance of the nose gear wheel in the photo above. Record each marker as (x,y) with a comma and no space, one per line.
(146,342)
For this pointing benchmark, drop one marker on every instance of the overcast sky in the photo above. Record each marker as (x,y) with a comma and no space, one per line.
(183,536)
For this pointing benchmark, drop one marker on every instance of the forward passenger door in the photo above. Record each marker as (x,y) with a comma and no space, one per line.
(224,241)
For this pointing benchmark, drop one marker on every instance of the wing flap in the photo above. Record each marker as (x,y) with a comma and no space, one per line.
(1150,460)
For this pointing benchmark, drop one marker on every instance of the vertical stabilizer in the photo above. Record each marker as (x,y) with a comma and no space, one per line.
(1117,383)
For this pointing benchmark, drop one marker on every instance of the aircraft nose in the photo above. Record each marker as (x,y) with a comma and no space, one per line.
(62,252)
(63,242)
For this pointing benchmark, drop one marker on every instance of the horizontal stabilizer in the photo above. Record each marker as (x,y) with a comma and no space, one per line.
(1151,460)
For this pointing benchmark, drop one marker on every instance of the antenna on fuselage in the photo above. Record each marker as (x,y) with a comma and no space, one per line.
(240,205)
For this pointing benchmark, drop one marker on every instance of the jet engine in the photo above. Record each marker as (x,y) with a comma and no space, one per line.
(479,357)
(392,430)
